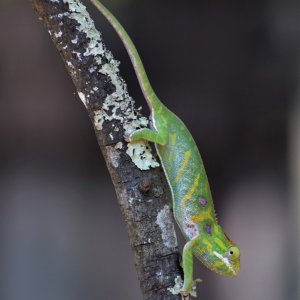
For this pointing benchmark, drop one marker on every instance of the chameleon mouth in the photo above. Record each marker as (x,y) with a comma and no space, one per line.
(226,261)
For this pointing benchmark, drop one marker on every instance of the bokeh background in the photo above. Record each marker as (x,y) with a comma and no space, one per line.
(229,69)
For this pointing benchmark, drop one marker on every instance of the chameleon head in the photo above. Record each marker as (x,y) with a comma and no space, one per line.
(229,262)
(218,253)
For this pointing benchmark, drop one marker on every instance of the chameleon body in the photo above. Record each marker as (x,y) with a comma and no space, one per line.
(192,200)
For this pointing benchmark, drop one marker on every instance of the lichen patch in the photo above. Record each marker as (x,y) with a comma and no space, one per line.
(114,156)
(165,223)
(82,98)
(119,145)
(141,155)
(118,105)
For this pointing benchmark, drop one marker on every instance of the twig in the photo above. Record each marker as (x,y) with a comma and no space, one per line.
(141,190)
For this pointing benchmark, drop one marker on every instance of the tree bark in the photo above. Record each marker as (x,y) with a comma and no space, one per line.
(140,188)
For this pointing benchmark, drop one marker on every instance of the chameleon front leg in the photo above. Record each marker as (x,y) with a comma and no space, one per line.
(149,135)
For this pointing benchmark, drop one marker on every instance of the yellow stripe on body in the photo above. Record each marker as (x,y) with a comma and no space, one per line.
(191,191)
(219,243)
(186,158)
(173,138)
(200,217)
(171,157)
(218,263)
(200,250)
(208,245)
(206,184)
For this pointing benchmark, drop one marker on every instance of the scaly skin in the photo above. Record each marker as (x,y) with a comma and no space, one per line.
(184,169)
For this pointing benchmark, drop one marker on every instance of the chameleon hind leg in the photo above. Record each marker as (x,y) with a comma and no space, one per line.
(187,265)
(189,284)
(187,289)
(149,135)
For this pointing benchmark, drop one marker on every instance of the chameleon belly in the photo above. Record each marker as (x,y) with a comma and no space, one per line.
(192,201)
(184,169)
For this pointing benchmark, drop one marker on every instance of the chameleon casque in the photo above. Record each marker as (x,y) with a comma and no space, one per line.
(192,200)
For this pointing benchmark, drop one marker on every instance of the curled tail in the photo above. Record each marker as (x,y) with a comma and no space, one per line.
(139,69)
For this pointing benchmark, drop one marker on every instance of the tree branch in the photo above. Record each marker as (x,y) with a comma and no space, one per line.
(140,190)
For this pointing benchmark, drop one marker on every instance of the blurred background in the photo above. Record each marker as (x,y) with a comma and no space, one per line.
(229,69)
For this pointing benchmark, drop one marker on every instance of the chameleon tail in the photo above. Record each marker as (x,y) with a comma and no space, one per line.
(139,69)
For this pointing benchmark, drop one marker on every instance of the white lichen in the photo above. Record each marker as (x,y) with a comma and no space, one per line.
(114,156)
(119,145)
(165,223)
(79,13)
(130,200)
(69,64)
(134,124)
(141,155)
(82,98)
(117,106)
(58,34)
(92,70)
(178,288)
(74,41)
(78,54)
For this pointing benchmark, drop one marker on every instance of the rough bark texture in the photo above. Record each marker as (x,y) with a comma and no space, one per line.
(141,193)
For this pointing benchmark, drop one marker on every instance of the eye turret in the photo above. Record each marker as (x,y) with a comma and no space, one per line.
(233,253)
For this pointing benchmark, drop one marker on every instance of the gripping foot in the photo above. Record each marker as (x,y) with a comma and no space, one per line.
(177,289)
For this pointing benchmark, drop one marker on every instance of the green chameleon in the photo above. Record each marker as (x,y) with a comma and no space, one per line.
(192,201)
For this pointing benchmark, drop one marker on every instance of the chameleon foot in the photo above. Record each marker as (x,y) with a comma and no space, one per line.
(178,289)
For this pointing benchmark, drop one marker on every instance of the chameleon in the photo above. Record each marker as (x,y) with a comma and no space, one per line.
(193,206)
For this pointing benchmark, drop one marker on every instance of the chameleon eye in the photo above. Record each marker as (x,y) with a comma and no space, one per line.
(233,252)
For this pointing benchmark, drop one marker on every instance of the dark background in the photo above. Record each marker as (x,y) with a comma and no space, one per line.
(229,69)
